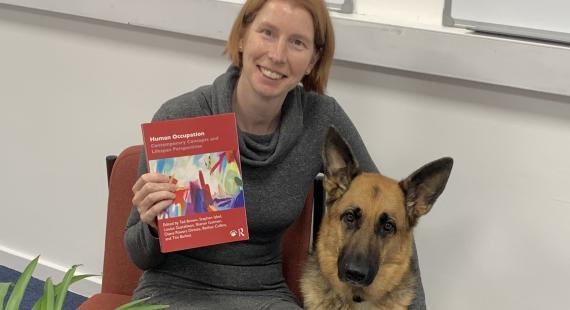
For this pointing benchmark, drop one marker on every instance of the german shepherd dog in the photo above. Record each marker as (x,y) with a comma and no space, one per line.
(364,246)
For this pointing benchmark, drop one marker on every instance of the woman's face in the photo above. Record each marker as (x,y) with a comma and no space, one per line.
(278,49)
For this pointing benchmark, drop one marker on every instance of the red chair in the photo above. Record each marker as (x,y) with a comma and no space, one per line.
(120,275)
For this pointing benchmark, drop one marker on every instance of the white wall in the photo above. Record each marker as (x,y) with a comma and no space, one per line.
(73,92)
(426,12)
(496,239)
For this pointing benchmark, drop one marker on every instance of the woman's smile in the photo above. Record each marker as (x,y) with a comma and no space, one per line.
(268,73)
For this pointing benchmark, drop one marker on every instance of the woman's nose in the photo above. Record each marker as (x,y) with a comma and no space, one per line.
(278,51)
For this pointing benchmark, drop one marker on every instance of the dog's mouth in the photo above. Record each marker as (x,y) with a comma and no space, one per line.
(357,298)
(355,284)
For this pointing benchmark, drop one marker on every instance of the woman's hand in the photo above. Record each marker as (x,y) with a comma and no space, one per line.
(154,192)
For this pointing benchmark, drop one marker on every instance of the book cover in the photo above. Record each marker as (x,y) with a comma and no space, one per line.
(201,155)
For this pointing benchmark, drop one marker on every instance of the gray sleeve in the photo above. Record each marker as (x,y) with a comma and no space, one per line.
(140,240)
(347,129)
(419,302)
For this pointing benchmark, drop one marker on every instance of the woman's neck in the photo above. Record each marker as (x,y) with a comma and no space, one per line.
(254,114)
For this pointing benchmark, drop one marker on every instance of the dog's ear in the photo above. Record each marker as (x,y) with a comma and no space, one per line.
(424,186)
(340,165)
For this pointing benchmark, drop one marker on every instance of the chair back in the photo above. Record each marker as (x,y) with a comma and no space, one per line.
(120,275)
(295,246)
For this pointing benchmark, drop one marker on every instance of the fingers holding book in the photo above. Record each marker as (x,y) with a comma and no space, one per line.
(153,192)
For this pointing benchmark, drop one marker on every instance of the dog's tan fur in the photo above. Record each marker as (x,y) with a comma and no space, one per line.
(378,200)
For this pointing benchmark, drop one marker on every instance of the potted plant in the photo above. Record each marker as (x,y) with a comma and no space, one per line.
(54,294)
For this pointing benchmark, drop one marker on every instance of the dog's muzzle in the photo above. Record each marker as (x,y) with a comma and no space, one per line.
(357,270)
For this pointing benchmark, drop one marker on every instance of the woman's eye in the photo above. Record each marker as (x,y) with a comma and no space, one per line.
(299,43)
(266,32)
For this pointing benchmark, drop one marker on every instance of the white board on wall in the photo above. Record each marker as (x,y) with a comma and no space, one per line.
(537,19)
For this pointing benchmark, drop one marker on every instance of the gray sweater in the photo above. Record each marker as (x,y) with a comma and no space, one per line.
(278,170)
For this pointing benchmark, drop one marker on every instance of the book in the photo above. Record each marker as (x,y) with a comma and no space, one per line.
(201,156)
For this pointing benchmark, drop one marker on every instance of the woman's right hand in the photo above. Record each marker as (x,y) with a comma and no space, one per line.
(154,192)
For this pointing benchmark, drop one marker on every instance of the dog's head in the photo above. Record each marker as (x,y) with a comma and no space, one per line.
(365,241)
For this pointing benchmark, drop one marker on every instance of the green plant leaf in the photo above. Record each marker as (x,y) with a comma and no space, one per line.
(3,291)
(38,304)
(134,305)
(20,287)
(74,279)
(148,307)
(58,288)
(49,295)
(61,292)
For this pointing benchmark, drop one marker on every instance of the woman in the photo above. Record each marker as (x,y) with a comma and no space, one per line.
(274,46)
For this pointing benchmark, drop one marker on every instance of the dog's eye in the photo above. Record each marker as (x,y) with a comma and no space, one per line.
(385,226)
(349,218)
(389,227)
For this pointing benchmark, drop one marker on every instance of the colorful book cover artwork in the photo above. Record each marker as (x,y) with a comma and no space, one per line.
(201,157)
(205,183)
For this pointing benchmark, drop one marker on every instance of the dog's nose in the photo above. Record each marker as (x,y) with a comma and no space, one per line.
(356,271)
